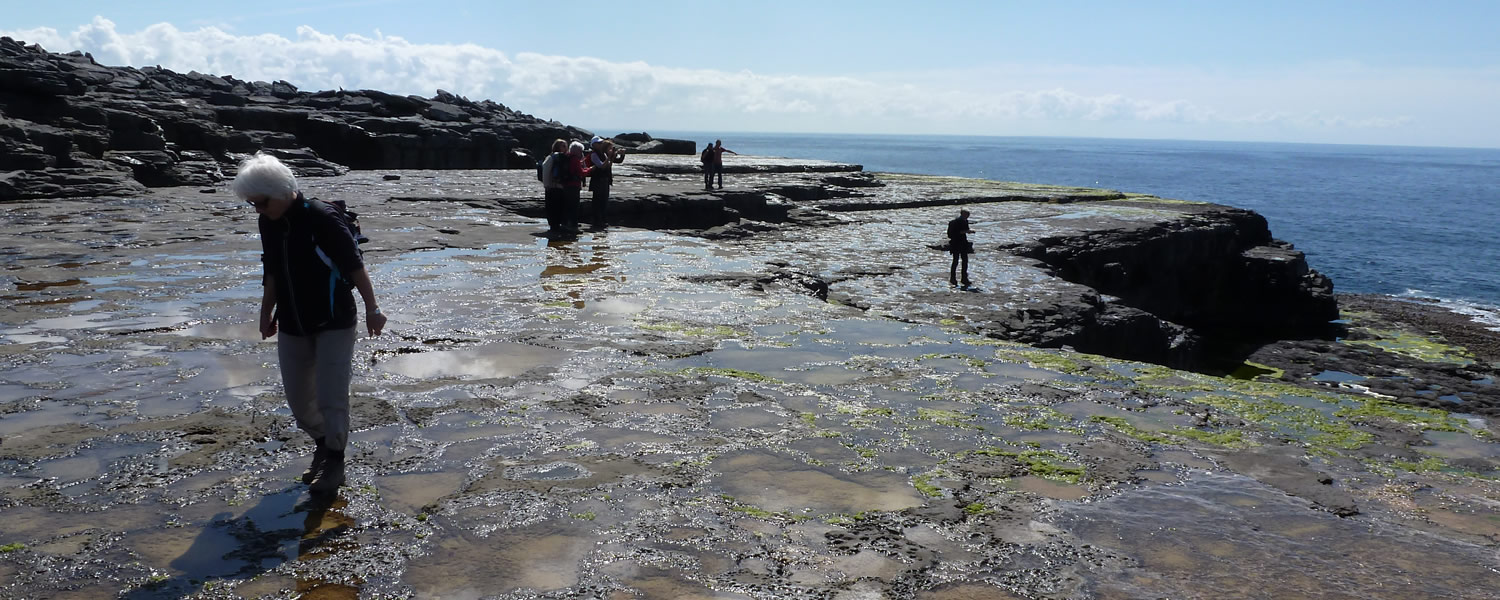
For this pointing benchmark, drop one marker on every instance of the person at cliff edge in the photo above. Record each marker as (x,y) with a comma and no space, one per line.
(310,262)
(719,151)
(602,160)
(707,158)
(960,247)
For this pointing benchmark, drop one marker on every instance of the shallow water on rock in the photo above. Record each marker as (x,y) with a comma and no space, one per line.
(1233,536)
(487,361)
(539,559)
(781,484)
(642,414)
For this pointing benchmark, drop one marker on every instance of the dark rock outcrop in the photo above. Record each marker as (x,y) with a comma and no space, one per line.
(1218,272)
(72,127)
(643,143)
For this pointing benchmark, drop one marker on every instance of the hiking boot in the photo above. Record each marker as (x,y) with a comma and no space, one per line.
(332,477)
(320,458)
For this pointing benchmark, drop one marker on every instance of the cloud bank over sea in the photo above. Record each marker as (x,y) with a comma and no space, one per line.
(592,91)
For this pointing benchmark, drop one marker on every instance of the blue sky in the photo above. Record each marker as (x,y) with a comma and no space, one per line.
(1401,73)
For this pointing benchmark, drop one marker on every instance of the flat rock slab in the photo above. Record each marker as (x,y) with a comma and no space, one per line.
(656,412)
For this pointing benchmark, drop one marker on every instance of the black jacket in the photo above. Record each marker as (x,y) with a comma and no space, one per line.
(312,294)
(958,237)
(604,173)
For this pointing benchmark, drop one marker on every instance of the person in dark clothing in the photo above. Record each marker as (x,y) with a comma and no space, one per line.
(959,246)
(719,151)
(602,160)
(708,166)
(552,191)
(310,264)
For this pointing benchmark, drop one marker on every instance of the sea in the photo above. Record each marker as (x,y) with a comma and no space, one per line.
(1414,222)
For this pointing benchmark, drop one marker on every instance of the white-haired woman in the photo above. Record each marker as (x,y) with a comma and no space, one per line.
(310,262)
(572,184)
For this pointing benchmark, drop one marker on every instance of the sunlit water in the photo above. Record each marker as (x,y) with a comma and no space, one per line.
(1377,219)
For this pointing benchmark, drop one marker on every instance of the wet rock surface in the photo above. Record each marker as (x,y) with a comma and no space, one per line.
(794,406)
(1410,350)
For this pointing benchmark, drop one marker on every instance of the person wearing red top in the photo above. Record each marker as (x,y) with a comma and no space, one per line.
(719,151)
(572,185)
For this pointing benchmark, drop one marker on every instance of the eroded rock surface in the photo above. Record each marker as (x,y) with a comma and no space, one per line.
(70,127)
(652,412)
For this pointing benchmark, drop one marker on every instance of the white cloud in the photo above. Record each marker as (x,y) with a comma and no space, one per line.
(591,90)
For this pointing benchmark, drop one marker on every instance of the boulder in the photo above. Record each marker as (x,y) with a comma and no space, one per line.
(666,146)
(447,113)
(65,182)
(631,140)
(218,98)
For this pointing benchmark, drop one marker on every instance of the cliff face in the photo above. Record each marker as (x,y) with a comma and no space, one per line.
(1216,270)
(71,127)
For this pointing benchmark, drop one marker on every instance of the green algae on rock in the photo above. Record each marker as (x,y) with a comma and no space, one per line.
(799,449)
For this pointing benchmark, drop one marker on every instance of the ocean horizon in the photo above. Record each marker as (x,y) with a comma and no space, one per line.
(701,136)
(1406,221)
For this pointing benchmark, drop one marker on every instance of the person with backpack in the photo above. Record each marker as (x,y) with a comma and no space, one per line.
(960,246)
(310,263)
(570,177)
(602,160)
(719,151)
(708,166)
(548,172)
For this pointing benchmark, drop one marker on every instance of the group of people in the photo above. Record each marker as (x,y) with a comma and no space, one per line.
(713,163)
(312,265)
(563,173)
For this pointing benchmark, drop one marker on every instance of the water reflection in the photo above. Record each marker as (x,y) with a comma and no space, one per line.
(543,558)
(777,483)
(42,285)
(322,529)
(568,270)
(503,359)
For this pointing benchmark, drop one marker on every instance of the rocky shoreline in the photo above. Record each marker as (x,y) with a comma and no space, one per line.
(765,391)
(70,127)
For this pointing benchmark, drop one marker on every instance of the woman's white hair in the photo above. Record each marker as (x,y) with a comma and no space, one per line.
(575,147)
(264,175)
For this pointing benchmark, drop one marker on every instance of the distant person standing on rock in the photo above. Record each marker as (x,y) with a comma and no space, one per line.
(959,246)
(708,165)
(602,160)
(719,151)
(310,262)
(552,192)
(571,178)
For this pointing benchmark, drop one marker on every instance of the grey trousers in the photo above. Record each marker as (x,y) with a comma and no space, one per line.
(315,369)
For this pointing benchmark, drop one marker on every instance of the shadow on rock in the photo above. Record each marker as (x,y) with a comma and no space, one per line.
(260,539)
